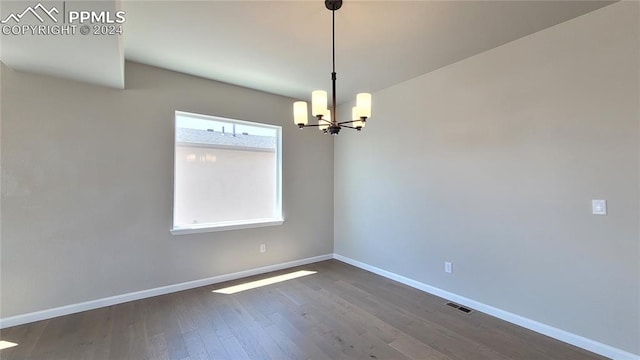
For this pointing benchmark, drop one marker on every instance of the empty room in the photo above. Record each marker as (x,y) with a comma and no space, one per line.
(447,180)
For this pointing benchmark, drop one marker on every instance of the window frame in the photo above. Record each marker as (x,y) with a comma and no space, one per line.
(237,224)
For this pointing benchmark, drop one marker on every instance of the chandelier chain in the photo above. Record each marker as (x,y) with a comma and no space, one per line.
(333,74)
(333,37)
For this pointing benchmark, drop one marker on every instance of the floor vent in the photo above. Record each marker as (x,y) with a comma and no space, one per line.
(459,307)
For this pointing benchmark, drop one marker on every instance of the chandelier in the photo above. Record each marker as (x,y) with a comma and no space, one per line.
(328,124)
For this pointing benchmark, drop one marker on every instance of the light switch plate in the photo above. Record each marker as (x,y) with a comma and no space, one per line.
(599,207)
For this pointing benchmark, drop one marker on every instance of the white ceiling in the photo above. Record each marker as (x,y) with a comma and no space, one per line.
(284,47)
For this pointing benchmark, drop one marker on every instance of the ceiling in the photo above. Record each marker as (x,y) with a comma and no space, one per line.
(93,59)
(284,47)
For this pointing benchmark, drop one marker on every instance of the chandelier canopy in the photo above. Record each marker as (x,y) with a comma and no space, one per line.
(328,124)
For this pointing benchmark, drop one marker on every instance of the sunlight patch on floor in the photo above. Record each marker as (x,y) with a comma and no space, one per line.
(6,344)
(268,281)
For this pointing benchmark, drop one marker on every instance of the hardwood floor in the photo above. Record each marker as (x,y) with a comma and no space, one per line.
(340,312)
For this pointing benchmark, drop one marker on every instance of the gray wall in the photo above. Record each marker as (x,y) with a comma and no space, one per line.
(87,183)
(492,162)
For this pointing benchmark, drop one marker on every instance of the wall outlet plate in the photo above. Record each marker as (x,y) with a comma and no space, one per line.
(599,207)
(448,268)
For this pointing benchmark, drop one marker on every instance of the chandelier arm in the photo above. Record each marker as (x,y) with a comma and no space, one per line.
(347,122)
(350,127)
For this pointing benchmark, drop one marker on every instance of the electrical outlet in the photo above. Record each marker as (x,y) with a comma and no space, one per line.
(448,268)
(263,248)
(599,207)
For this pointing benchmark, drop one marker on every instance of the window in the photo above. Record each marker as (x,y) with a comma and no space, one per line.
(227,174)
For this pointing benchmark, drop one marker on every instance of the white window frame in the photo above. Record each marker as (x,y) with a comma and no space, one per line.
(239,224)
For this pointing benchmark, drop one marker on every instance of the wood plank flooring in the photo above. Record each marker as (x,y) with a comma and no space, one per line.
(341,312)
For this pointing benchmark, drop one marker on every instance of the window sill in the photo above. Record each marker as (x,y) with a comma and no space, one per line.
(224,226)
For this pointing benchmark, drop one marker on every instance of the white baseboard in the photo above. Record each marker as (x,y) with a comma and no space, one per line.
(565,336)
(118,299)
